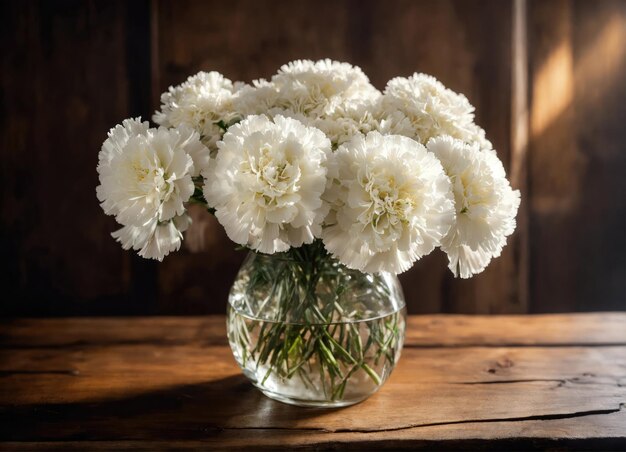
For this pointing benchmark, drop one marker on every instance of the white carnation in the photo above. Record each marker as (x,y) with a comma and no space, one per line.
(266,183)
(476,136)
(201,102)
(350,119)
(334,97)
(486,205)
(421,108)
(318,89)
(189,141)
(154,240)
(258,98)
(146,174)
(390,203)
(118,137)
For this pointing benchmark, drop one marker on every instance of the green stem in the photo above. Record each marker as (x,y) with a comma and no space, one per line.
(307,288)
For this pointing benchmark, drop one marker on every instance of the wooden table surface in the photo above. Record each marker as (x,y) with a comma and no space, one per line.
(501,382)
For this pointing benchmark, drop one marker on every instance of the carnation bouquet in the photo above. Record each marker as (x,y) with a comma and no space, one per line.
(334,188)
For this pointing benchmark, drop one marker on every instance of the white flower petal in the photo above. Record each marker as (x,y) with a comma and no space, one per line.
(266,182)
(201,103)
(145,179)
(421,107)
(390,204)
(154,240)
(148,177)
(486,205)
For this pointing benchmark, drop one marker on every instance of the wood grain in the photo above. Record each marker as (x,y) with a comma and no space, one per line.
(172,383)
(423,331)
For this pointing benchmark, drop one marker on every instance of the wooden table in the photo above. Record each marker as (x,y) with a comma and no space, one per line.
(470,382)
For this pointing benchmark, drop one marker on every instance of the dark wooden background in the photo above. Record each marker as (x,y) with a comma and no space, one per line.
(547,77)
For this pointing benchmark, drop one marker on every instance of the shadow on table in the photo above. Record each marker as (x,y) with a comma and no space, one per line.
(187,411)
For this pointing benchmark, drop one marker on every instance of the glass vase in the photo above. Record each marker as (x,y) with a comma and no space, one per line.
(309,331)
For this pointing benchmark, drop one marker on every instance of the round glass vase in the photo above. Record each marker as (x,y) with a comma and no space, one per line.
(308,331)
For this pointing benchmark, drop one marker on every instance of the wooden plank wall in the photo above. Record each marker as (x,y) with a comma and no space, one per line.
(577,159)
(71,70)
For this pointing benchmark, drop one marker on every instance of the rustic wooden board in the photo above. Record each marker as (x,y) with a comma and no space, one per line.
(172,382)
(427,331)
